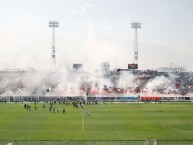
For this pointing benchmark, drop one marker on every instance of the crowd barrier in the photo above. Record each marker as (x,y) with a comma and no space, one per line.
(98,142)
(74,142)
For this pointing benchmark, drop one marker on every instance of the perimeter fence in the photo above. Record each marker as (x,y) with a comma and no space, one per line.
(97,142)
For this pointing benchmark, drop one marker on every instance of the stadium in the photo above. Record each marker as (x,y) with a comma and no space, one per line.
(60,96)
(82,106)
(79,105)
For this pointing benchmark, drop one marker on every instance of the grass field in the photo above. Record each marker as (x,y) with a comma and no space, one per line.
(128,121)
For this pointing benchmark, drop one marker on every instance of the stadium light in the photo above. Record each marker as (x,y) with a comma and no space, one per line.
(135,26)
(53,24)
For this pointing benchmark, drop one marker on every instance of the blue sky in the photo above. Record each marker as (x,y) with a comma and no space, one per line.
(95,31)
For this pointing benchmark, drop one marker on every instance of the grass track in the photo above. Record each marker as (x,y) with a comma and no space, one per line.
(133,121)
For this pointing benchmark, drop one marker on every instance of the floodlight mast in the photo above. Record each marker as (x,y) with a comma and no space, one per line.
(135,26)
(53,24)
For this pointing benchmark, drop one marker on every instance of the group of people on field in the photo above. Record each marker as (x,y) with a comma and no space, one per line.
(51,107)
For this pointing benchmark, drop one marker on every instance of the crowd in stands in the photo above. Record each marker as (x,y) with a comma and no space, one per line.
(181,85)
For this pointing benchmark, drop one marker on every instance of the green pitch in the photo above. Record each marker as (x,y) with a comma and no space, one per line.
(132,121)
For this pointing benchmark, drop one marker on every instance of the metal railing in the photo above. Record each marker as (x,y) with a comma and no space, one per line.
(96,142)
(74,142)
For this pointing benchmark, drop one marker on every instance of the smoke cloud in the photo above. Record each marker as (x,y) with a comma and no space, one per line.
(89,81)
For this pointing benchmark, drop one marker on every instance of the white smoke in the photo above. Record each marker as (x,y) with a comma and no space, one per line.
(127,79)
(161,84)
(47,83)
(81,82)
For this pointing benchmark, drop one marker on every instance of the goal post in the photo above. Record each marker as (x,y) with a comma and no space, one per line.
(150,142)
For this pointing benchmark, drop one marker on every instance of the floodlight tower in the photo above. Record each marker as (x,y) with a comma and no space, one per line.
(135,26)
(53,24)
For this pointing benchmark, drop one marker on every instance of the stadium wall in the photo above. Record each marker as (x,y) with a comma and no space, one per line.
(95,99)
